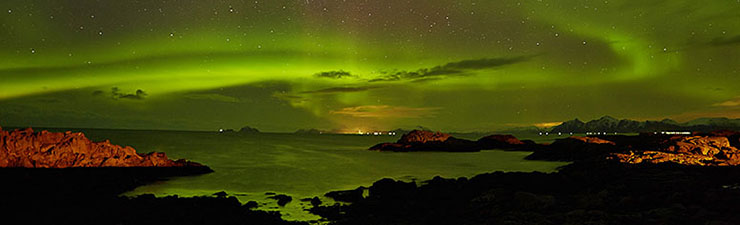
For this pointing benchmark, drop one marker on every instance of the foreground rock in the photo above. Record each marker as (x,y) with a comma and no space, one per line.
(421,140)
(606,192)
(139,210)
(29,149)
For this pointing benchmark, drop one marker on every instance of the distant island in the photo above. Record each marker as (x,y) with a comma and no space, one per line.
(243,130)
(310,131)
(422,140)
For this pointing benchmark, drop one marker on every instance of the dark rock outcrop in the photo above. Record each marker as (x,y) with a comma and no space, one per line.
(574,148)
(419,140)
(315,201)
(29,149)
(348,195)
(282,199)
(505,142)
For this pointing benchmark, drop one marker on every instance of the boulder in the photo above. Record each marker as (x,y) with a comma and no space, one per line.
(315,201)
(282,200)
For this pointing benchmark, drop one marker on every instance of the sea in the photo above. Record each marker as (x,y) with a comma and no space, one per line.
(251,167)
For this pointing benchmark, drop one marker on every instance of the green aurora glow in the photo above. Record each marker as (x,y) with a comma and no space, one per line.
(449,65)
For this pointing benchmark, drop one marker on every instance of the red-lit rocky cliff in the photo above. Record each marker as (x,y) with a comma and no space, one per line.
(29,149)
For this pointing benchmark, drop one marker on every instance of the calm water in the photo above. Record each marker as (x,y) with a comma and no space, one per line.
(247,166)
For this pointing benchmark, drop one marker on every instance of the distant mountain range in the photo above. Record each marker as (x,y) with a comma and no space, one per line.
(610,124)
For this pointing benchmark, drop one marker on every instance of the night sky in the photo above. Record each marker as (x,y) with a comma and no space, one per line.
(363,65)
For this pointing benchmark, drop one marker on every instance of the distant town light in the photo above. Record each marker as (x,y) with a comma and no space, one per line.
(676,132)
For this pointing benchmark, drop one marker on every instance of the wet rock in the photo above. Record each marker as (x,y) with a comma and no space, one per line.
(389,188)
(315,201)
(251,205)
(282,199)
(348,195)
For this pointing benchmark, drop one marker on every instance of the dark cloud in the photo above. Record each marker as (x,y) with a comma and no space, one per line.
(339,90)
(334,74)
(725,41)
(460,68)
(115,93)
(387,111)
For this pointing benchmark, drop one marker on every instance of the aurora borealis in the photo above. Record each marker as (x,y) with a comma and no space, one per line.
(347,65)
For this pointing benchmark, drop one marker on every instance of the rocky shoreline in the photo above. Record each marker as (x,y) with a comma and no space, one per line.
(645,179)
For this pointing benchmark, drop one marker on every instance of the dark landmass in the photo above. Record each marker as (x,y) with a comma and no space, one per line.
(420,140)
(309,131)
(609,124)
(64,178)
